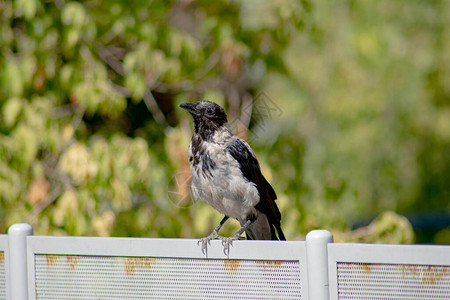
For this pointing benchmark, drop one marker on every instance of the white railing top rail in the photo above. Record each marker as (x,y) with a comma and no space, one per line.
(389,254)
(158,247)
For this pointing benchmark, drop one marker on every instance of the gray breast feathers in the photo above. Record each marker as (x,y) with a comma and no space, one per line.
(217,179)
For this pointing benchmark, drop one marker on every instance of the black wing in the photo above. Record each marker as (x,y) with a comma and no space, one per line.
(249,167)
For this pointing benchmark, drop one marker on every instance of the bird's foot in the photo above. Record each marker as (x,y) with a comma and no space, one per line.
(228,241)
(207,241)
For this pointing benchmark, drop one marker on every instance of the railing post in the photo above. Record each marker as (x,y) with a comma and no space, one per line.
(17,240)
(317,261)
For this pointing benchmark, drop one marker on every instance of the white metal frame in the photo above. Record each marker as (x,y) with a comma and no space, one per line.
(383,254)
(5,249)
(17,248)
(318,257)
(164,248)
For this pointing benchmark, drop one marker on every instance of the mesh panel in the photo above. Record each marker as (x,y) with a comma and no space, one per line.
(390,281)
(2,276)
(97,277)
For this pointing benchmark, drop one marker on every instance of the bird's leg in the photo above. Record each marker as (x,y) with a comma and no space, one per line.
(214,235)
(227,241)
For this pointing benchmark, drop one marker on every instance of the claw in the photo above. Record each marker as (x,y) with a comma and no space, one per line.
(207,241)
(204,245)
(226,242)
(226,248)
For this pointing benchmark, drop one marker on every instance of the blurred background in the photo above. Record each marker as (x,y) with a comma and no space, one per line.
(346,103)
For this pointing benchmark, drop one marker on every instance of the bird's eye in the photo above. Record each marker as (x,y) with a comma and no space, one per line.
(209,111)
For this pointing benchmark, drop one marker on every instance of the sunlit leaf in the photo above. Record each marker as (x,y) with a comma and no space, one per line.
(11,110)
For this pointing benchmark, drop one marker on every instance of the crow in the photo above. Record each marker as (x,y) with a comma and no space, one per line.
(226,174)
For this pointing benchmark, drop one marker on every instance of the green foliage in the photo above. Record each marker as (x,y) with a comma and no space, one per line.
(387,228)
(91,142)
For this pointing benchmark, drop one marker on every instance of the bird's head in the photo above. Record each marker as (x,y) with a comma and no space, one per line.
(208,116)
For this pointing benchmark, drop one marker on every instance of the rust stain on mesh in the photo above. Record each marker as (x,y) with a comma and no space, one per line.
(358,267)
(427,275)
(231,264)
(434,274)
(131,263)
(52,259)
(408,270)
(72,261)
(367,268)
(269,263)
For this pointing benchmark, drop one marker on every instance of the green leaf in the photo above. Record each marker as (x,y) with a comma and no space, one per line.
(136,84)
(74,14)
(25,145)
(71,37)
(28,7)
(11,110)
(13,78)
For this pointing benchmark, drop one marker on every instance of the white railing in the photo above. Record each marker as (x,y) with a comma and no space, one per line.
(46,267)
(130,268)
(374,271)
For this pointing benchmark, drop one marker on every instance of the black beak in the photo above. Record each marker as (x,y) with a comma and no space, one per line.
(190,107)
